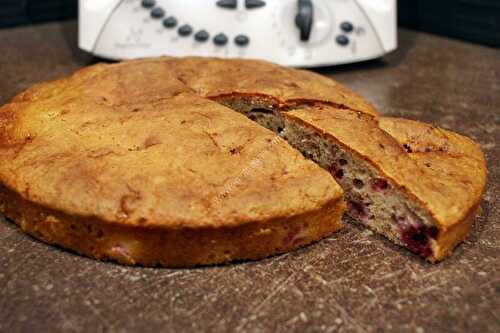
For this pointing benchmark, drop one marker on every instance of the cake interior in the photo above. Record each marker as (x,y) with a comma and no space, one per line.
(262,111)
(373,200)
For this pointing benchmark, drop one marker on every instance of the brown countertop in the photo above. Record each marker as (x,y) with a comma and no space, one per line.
(351,282)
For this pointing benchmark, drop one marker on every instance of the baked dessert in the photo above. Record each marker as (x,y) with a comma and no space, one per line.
(126,162)
(418,185)
(147,162)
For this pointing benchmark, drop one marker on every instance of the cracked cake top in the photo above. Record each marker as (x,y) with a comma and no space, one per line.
(139,143)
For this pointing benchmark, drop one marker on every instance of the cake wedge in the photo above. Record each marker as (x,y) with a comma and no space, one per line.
(418,185)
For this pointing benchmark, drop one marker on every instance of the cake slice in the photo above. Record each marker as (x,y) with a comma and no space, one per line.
(418,185)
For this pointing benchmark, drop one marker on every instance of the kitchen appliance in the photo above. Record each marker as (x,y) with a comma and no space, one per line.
(303,33)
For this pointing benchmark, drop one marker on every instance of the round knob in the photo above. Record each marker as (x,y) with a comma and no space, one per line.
(185,30)
(148,3)
(220,39)
(201,36)
(304,19)
(242,40)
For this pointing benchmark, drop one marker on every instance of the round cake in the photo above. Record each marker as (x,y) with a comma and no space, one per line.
(193,161)
(142,162)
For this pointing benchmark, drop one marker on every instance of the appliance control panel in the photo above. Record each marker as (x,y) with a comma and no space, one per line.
(304,33)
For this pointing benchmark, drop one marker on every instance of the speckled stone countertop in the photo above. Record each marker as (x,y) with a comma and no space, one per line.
(352,282)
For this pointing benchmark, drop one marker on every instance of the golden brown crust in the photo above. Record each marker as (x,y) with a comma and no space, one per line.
(153,246)
(448,239)
(282,86)
(454,168)
(160,157)
(132,147)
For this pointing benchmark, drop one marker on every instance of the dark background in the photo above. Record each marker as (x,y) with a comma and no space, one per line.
(472,20)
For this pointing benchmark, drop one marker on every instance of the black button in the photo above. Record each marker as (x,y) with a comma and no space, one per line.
(202,36)
(170,22)
(148,3)
(304,19)
(157,12)
(342,40)
(232,4)
(346,26)
(254,4)
(241,40)
(185,30)
(220,39)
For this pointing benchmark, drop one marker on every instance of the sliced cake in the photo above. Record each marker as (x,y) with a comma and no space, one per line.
(418,185)
(125,162)
(155,162)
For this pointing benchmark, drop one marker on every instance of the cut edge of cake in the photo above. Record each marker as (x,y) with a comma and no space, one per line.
(374,198)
